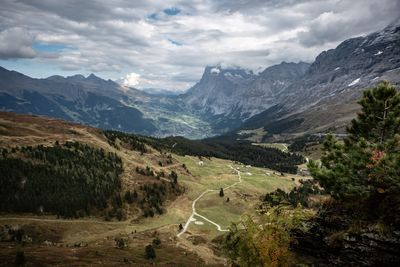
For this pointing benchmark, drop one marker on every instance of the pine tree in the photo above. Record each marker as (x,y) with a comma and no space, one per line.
(20,259)
(368,161)
(379,119)
(150,252)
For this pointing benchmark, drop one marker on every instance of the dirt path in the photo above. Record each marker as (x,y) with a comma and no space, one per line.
(286,148)
(194,213)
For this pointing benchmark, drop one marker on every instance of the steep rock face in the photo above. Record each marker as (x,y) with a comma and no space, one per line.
(355,64)
(263,92)
(338,236)
(218,90)
(324,98)
(227,97)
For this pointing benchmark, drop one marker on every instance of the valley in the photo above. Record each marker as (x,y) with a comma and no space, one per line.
(200,133)
(62,238)
(281,102)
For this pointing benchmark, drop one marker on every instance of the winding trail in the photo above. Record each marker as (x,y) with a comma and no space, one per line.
(194,213)
(286,148)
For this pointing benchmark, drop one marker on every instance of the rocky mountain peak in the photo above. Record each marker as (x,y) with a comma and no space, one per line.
(227,73)
(286,70)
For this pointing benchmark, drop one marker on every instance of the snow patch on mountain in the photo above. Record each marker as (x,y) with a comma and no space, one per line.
(215,71)
(228,74)
(354,82)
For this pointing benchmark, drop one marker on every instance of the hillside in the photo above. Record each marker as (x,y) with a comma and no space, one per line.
(225,97)
(324,99)
(100,103)
(156,193)
(88,100)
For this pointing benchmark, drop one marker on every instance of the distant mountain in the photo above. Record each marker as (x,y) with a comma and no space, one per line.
(324,98)
(100,103)
(218,89)
(263,92)
(89,100)
(227,97)
(284,99)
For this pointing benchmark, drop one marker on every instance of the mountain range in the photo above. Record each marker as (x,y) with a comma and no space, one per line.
(284,100)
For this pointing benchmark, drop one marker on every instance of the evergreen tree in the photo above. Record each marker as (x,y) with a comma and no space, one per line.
(379,119)
(156,241)
(221,192)
(368,161)
(150,252)
(174,177)
(20,258)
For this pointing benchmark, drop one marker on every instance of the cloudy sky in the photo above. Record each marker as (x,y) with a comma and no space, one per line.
(167,44)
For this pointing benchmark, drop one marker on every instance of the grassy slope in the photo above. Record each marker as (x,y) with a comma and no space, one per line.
(215,173)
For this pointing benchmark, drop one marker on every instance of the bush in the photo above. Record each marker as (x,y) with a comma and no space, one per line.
(298,195)
(120,243)
(150,252)
(156,241)
(264,241)
(20,258)
(221,192)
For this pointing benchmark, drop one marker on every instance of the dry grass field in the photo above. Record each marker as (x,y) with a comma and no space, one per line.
(90,241)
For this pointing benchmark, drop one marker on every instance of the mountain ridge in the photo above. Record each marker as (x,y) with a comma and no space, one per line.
(294,98)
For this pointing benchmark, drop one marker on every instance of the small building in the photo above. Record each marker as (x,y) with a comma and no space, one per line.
(303,172)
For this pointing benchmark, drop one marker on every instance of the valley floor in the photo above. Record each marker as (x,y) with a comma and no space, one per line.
(89,241)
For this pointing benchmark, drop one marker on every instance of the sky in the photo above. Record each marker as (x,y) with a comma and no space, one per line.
(167,44)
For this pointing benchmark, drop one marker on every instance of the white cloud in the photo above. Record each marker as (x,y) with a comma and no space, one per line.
(215,71)
(131,80)
(16,43)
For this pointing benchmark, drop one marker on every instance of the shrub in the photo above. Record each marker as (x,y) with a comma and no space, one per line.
(150,252)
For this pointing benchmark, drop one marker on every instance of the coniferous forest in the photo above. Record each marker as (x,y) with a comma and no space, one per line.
(68,180)
(241,151)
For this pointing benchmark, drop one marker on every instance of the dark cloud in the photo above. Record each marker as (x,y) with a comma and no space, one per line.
(120,37)
(84,11)
(16,43)
(251,6)
(349,19)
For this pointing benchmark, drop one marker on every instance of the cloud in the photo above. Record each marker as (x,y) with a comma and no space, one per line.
(167,43)
(16,43)
(348,19)
(131,80)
